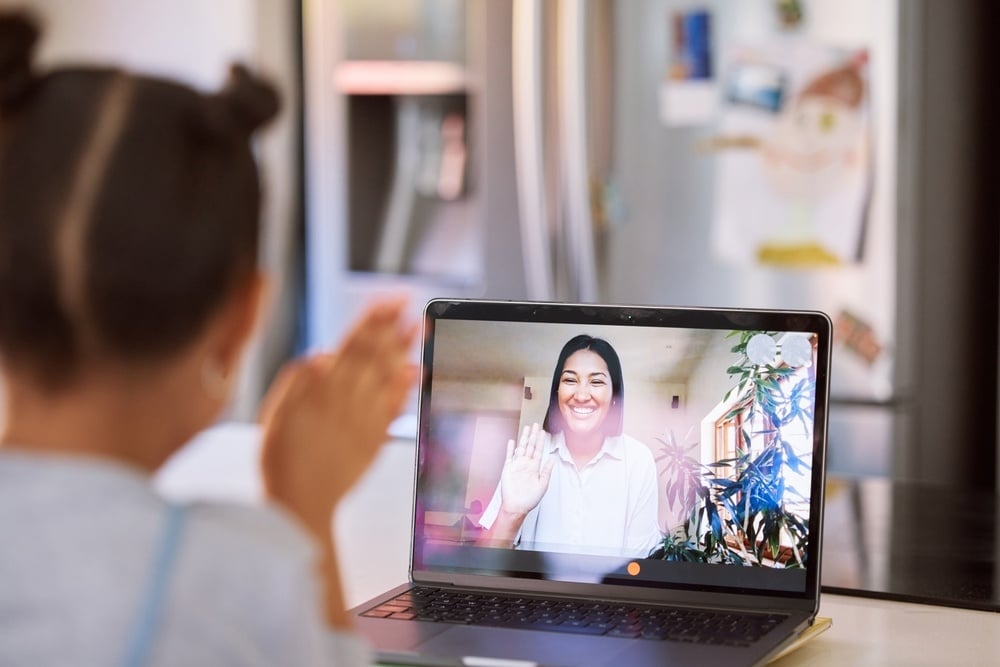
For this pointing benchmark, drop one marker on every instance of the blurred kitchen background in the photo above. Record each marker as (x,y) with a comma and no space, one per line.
(820,154)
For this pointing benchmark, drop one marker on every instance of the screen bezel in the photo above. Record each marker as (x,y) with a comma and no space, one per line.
(647,316)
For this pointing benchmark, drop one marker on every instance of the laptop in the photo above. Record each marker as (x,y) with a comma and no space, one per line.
(611,485)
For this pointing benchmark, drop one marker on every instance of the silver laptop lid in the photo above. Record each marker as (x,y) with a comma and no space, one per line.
(635,452)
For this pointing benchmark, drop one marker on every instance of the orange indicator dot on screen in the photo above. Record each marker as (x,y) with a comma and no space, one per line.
(633,568)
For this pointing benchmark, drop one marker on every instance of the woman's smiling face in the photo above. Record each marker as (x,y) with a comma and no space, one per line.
(584,392)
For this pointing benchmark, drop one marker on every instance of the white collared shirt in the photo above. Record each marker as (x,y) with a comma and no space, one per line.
(607,507)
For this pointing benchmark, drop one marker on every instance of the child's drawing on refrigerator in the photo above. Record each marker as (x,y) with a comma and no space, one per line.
(794,172)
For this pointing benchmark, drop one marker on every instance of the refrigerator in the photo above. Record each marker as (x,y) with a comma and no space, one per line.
(643,152)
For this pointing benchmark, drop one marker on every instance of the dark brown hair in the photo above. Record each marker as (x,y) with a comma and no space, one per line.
(613,421)
(129,208)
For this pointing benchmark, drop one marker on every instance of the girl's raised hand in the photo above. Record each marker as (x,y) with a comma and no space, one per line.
(326,416)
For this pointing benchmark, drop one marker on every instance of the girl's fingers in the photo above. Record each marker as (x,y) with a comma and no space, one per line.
(283,387)
(402,383)
(325,416)
(376,329)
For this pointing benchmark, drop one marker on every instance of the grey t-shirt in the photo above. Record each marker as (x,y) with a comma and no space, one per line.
(79,538)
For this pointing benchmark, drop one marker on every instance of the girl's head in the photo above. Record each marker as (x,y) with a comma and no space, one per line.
(128,210)
(587,392)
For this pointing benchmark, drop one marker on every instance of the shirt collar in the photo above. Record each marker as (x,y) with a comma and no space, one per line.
(614,446)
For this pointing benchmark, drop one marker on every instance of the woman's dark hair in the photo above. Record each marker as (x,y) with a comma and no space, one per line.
(613,422)
(129,208)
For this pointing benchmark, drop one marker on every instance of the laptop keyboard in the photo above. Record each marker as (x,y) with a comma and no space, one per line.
(590,617)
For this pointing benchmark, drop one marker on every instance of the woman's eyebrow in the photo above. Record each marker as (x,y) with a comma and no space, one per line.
(593,374)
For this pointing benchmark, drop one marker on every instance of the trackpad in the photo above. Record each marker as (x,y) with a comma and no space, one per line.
(544,648)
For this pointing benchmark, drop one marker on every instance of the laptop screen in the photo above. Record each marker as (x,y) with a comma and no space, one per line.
(640,446)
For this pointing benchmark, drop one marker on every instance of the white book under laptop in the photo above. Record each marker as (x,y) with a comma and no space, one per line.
(612,485)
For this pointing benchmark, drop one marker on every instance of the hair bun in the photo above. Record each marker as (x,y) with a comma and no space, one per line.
(244,104)
(19,33)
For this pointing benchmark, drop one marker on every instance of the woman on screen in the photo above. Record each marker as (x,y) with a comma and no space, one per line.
(577,483)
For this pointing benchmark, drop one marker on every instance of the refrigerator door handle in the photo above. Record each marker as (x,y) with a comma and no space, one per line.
(572,110)
(529,158)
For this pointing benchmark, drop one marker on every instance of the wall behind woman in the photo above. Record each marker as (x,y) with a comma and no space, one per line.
(195,41)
